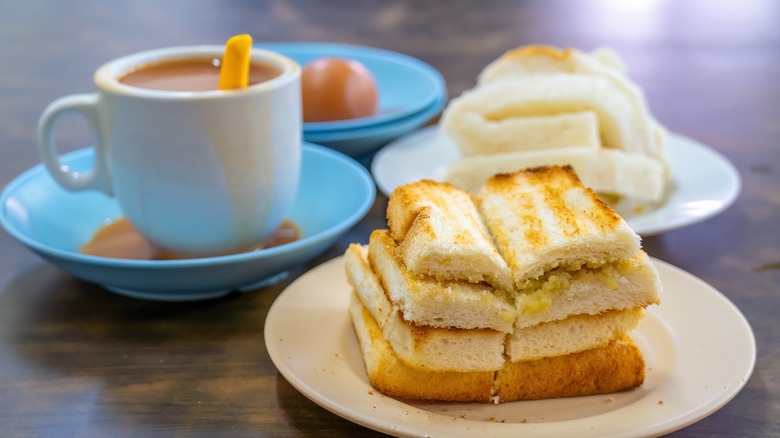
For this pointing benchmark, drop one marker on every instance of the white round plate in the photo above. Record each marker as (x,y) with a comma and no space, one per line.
(699,352)
(704,182)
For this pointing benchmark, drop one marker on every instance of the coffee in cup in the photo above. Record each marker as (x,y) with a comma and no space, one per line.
(190,74)
(197,172)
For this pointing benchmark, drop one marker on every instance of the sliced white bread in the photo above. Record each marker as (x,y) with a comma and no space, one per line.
(540,59)
(545,60)
(609,171)
(441,234)
(476,136)
(621,124)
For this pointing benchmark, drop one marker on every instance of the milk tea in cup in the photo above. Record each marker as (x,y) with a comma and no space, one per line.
(197,171)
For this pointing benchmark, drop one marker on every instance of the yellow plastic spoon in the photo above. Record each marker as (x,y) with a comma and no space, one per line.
(234,72)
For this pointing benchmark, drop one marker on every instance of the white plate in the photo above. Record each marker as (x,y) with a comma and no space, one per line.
(704,182)
(698,347)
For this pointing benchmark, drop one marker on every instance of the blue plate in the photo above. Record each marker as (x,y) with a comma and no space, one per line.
(334,193)
(406,85)
(361,141)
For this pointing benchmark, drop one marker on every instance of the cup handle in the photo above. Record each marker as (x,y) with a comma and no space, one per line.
(98,177)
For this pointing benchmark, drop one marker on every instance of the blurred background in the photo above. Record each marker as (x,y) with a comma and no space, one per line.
(710,71)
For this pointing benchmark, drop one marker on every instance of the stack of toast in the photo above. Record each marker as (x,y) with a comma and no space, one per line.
(540,105)
(525,290)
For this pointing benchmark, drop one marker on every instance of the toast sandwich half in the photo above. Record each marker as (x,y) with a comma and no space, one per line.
(528,289)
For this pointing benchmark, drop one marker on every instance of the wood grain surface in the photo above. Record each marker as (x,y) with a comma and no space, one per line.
(76,360)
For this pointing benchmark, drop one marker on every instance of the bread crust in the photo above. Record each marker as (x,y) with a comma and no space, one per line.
(427,301)
(609,171)
(452,349)
(440,234)
(394,378)
(618,366)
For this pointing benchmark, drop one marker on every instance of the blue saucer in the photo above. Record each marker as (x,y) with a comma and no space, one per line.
(334,193)
(406,85)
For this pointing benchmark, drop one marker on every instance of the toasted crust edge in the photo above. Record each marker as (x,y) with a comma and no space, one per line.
(388,374)
(618,366)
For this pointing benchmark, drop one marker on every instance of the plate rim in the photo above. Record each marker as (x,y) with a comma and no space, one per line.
(364,418)
(307,148)
(409,61)
(726,201)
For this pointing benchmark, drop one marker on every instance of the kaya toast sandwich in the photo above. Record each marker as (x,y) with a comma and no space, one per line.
(448,324)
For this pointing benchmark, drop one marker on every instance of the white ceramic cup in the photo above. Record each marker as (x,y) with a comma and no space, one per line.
(197,173)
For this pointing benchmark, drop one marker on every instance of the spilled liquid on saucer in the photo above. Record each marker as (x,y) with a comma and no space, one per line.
(120,240)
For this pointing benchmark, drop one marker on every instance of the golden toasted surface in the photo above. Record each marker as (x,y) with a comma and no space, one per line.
(539,50)
(616,367)
(544,217)
(440,234)
(519,225)
(363,280)
(417,345)
(392,377)
(451,336)
(407,202)
(428,301)
(555,183)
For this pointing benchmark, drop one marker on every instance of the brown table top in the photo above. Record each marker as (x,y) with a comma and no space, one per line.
(76,360)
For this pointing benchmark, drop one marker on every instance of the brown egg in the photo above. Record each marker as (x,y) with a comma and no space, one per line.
(337,89)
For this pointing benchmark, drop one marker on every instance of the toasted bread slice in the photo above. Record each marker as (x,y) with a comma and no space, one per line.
(426,301)
(444,349)
(451,349)
(364,282)
(616,367)
(543,218)
(622,125)
(476,136)
(619,285)
(603,170)
(441,234)
(619,366)
(432,348)
(573,334)
(393,377)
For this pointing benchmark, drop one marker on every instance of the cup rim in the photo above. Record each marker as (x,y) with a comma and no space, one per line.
(105,77)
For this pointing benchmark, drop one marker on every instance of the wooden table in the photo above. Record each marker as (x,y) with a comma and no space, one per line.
(76,360)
